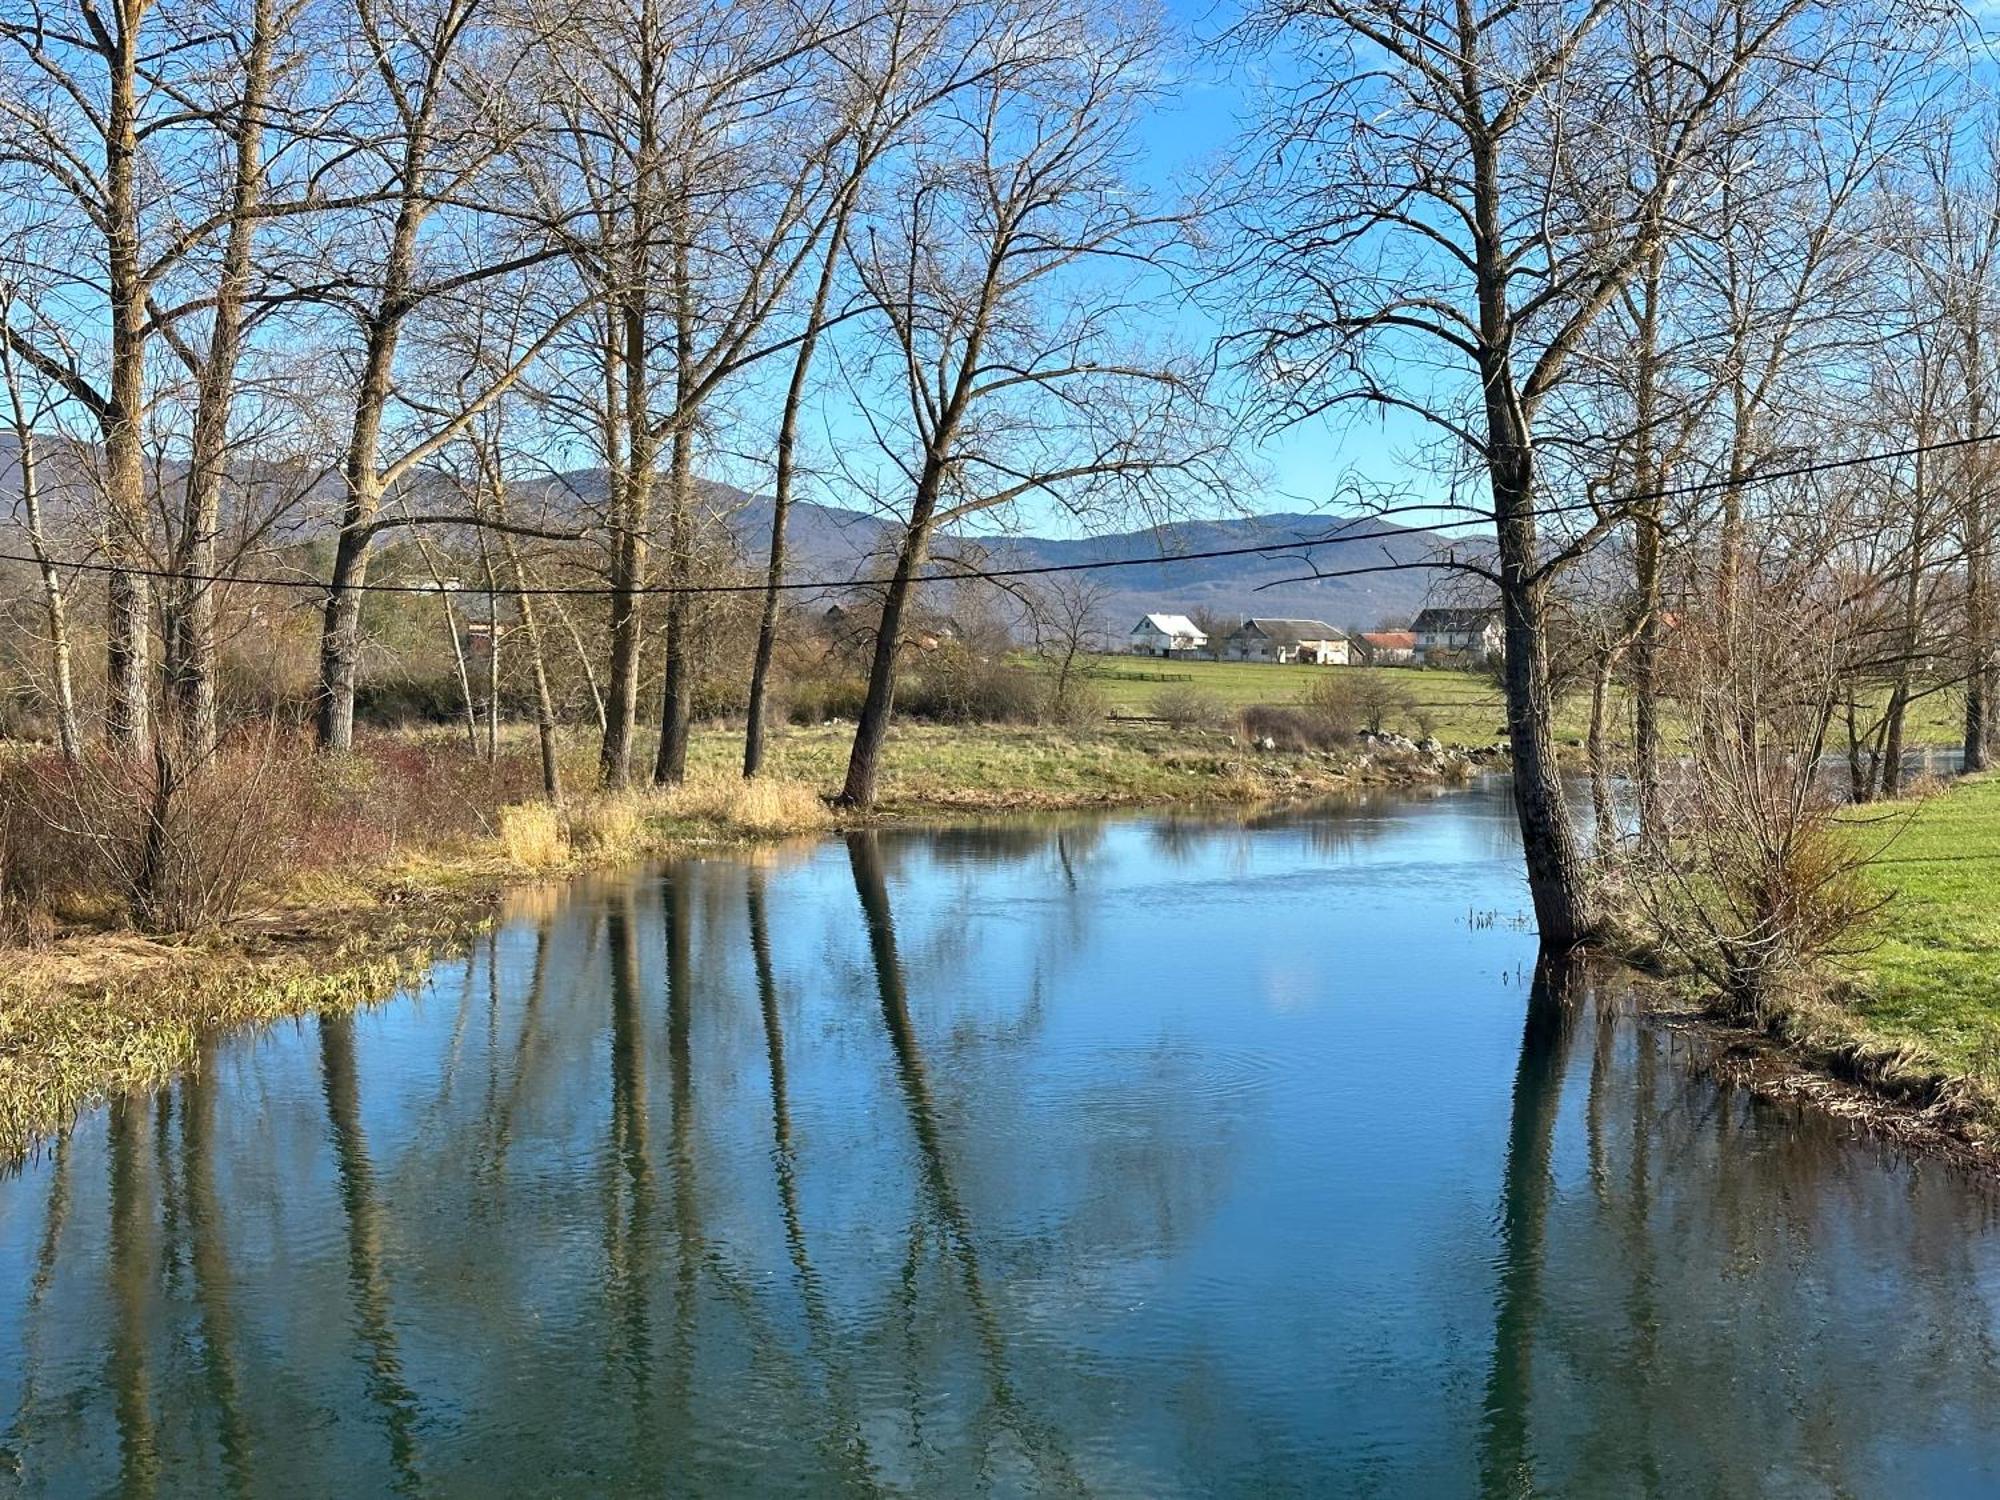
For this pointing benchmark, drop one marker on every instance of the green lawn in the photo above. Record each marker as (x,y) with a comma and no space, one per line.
(1462,707)
(1935,975)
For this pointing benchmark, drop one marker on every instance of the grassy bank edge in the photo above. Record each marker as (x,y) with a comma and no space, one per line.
(103,1013)
(1849,1038)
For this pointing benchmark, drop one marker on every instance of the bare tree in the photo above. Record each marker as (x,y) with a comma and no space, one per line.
(1066,618)
(892,72)
(442,81)
(1010,350)
(22,412)
(1437,231)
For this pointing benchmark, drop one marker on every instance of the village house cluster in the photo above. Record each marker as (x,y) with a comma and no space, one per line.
(1438,636)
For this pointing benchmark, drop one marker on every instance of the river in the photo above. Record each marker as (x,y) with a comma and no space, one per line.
(1141,1156)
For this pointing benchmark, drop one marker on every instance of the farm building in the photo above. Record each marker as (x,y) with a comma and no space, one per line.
(1312,641)
(1386,648)
(1444,634)
(1165,635)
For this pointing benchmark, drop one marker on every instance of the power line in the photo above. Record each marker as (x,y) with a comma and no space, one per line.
(1340,536)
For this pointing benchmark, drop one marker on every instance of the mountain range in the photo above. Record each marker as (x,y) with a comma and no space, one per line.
(832,542)
(835,543)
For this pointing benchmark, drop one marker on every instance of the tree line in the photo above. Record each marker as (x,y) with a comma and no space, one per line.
(495,284)
(320,273)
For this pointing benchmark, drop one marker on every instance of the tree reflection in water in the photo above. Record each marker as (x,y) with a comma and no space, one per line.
(1083,1168)
(368,1276)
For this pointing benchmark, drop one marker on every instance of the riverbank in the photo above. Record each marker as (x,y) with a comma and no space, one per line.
(93,1008)
(1904,1033)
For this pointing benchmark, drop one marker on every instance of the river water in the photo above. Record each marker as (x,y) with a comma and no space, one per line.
(1148,1156)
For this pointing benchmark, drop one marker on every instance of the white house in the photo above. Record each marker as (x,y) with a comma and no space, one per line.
(1165,635)
(1447,633)
(1312,641)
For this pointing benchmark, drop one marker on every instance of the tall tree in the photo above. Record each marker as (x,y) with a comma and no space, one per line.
(429,230)
(1434,233)
(1012,348)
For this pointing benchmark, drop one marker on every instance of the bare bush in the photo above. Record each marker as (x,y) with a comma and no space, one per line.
(960,686)
(1078,703)
(1292,728)
(1757,884)
(174,843)
(1185,706)
(1348,701)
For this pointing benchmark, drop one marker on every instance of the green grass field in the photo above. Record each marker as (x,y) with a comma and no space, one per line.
(1459,707)
(1934,975)
(1463,707)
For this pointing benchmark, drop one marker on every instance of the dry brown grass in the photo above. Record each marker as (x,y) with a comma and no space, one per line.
(533,836)
(763,807)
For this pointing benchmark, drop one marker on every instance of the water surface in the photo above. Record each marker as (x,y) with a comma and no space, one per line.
(1154,1156)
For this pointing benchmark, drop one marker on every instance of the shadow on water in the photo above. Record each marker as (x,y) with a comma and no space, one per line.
(1128,1156)
(213,1281)
(1526,1187)
(132,1269)
(628,1186)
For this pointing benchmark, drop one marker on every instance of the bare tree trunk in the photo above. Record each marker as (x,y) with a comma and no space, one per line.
(340,632)
(458,660)
(781,497)
(632,516)
(545,709)
(190,633)
(1857,776)
(1648,475)
(69,730)
(1558,877)
(1601,801)
(677,687)
(583,660)
(871,729)
(1907,638)
(492,657)
(128,639)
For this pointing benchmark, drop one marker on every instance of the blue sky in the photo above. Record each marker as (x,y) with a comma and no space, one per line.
(1197,122)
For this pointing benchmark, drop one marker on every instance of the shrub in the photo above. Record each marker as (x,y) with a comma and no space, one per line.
(956,686)
(1187,707)
(1079,703)
(174,844)
(1289,727)
(1346,700)
(1750,876)
(817,698)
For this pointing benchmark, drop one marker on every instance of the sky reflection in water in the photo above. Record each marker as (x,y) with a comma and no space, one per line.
(1153,1156)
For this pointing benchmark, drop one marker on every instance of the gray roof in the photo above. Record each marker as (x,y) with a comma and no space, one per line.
(1455,619)
(1291,632)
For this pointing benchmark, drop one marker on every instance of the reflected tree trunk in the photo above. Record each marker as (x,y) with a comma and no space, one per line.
(132,1268)
(367,1276)
(1507,1463)
(629,1213)
(208,1233)
(680,1065)
(848,1447)
(1043,1445)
